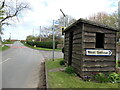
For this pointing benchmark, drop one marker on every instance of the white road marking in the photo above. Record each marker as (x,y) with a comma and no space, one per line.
(5,60)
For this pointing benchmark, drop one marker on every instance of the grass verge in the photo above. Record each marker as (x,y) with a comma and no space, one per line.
(63,80)
(7,42)
(53,64)
(39,48)
(0,48)
(4,48)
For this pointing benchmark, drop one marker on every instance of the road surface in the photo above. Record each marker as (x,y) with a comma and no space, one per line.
(21,66)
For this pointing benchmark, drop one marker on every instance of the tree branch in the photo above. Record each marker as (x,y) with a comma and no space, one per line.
(7,17)
(20,7)
(3,4)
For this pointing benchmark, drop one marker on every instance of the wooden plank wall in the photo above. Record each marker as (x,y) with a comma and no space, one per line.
(66,47)
(98,63)
(77,49)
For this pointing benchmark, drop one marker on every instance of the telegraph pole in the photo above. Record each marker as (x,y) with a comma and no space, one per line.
(53,40)
(119,17)
(63,13)
(33,32)
(40,34)
(10,36)
(0,34)
(65,24)
(64,16)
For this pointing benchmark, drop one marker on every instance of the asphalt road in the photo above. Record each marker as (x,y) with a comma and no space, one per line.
(21,65)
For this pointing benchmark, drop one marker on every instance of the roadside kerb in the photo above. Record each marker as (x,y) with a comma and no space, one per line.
(46,74)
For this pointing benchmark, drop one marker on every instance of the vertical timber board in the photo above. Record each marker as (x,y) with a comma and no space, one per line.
(77,50)
(82,46)
(115,47)
(70,47)
(66,47)
(68,44)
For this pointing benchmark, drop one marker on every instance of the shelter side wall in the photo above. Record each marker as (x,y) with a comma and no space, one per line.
(77,49)
(98,63)
(66,47)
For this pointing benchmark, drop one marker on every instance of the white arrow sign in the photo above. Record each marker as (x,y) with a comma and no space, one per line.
(56,22)
(92,52)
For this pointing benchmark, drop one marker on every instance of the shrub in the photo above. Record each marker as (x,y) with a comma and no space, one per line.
(69,70)
(114,77)
(62,62)
(45,44)
(30,43)
(8,40)
(42,44)
(100,77)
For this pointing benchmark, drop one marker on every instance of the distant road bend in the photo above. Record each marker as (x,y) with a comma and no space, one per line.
(21,66)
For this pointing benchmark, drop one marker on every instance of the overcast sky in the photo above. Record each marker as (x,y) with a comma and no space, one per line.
(43,12)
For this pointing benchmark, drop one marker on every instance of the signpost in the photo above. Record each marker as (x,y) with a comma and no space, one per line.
(94,52)
(55,22)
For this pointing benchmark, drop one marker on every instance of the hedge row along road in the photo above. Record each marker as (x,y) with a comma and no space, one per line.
(21,66)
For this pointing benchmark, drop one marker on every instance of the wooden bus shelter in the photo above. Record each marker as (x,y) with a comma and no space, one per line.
(90,47)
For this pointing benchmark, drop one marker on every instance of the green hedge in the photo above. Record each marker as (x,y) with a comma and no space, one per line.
(42,44)
(30,43)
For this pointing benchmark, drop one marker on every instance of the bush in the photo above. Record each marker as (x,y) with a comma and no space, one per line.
(100,77)
(114,77)
(30,43)
(62,62)
(22,41)
(69,70)
(42,44)
(8,40)
(45,44)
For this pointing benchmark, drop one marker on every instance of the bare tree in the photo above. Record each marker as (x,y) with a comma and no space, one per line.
(68,20)
(104,18)
(107,19)
(10,9)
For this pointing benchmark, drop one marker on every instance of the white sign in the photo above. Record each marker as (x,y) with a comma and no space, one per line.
(92,52)
(56,22)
